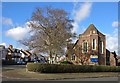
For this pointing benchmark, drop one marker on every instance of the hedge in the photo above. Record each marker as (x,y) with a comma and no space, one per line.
(66,62)
(69,68)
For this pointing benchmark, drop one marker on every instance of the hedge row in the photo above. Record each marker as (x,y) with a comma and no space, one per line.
(65,68)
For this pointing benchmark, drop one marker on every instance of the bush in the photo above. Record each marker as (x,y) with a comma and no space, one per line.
(69,68)
(66,62)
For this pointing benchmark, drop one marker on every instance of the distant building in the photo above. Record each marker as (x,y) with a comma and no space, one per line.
(25,55)
(90,49)
(13,54)
(38,58)
(118,60)
(19,55)
(3,51)
(111,58)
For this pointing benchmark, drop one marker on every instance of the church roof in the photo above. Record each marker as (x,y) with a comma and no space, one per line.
(91,27)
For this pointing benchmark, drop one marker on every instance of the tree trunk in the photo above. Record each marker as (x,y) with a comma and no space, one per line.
(55,58)
(50,56)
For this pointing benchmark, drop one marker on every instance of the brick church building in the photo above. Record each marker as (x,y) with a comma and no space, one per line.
(90,49)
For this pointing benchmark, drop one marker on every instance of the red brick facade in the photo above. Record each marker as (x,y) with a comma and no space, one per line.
(90,49)
(92,35)
(91,43)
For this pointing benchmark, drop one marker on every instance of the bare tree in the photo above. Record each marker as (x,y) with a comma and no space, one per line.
(52,30)
(82,58)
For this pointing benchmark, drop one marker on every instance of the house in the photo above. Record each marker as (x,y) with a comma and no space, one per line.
(25,55)
(20,56)
(118,60)
(38,58)
(90,49)
(111,58)
(3,51)
(13,54)
(10,53)
(16,55)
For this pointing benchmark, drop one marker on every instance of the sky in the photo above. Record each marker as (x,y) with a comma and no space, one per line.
(104,15)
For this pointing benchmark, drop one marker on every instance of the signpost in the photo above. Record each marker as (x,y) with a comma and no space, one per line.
(94,58)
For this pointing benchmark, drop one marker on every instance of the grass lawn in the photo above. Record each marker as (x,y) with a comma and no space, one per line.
(22,73)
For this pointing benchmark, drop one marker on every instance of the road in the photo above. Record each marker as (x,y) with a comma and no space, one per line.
(80,79)
(94,79)
(13,66)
